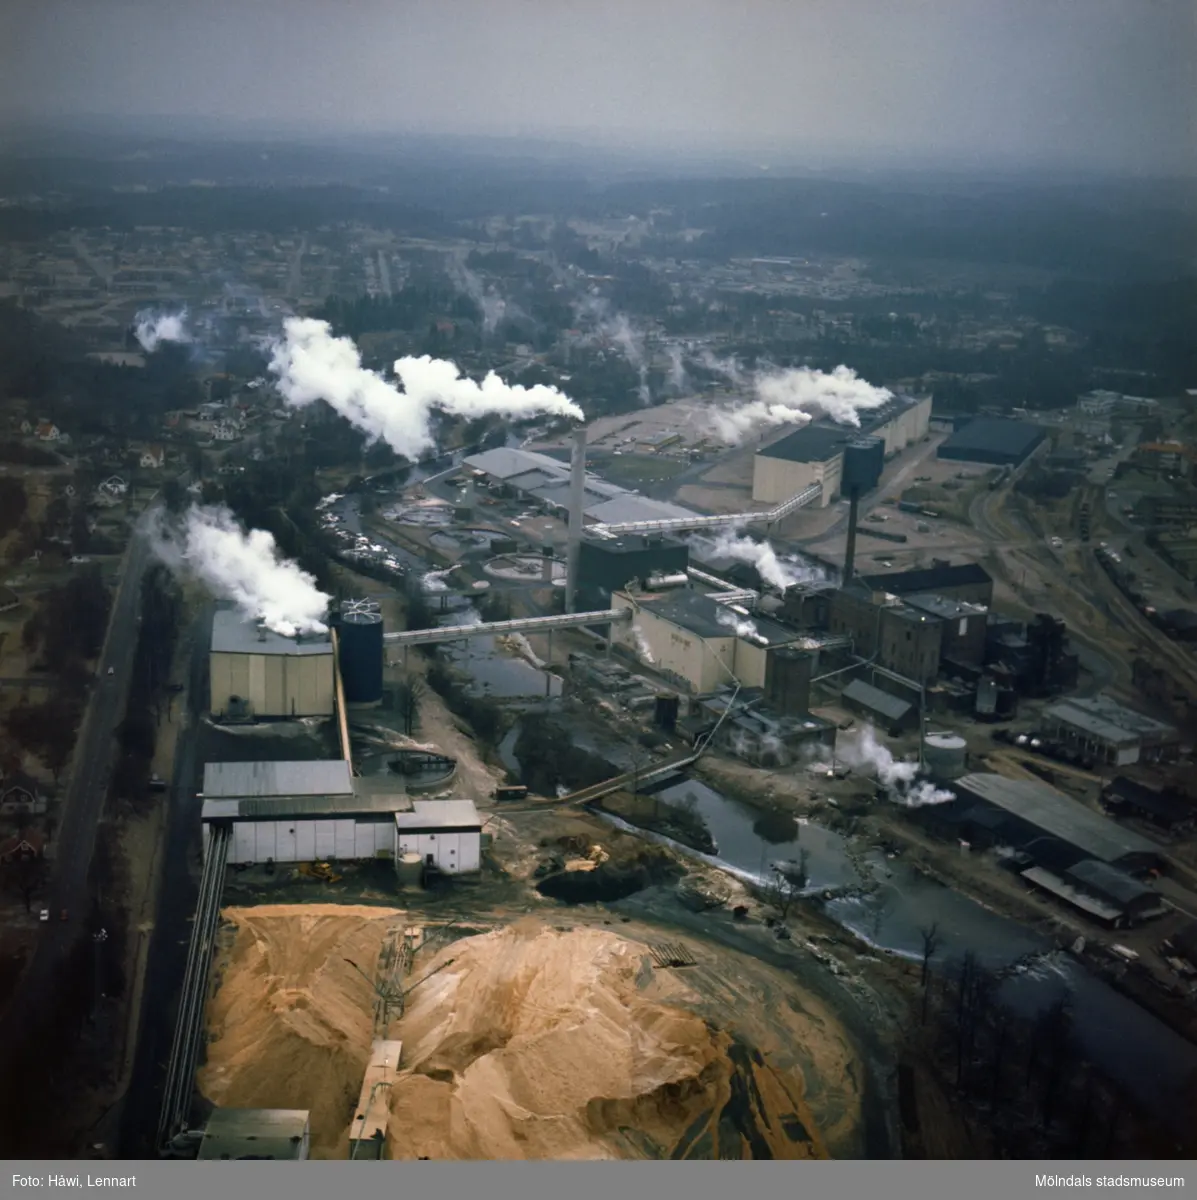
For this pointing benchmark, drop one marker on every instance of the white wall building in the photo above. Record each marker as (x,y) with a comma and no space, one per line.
(294,812)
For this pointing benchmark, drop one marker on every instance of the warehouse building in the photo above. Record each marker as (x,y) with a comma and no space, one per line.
(293,812)
(969,582)
(1052,829)
(256,673)
(1167,810)
(1110,732)
(993,440)
(893,715)
(702,644)
(814,453)
(1102,893)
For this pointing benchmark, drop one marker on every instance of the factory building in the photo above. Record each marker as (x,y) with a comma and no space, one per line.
(1166,809)
(1110,732)
(293,812)
(969,582)
(544,482)
(888,712)
(993,440)
(964,628)
(1102,893)
(1050,828)
(254,672)
(702,644)
(814,453)
(607,565)
(1035,658)
(882,627)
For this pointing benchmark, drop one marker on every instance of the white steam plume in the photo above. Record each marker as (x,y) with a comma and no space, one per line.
(492,306)
(773,569)
(434,581)
(796,396)
(594,310)
(245,568)
(896,775)
(154,328)
(742,626)
(311,364)
(677,378)
(727,367)
(642,647)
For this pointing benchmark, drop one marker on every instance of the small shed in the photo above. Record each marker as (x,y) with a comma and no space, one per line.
(1133,898)
(892,714)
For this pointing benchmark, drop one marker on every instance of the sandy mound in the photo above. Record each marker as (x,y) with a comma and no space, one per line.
(531,1044)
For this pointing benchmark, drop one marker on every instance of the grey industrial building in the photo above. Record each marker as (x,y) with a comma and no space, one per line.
(814,453)
(1111,732)
(894,715)
(1051,828)
(606,565)
(993,440)
(292,812)
(1102,893)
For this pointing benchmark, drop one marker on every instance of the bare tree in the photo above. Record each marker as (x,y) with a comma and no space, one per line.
(786,886)
(930,936)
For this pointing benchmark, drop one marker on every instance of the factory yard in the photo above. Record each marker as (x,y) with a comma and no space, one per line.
(540,1037)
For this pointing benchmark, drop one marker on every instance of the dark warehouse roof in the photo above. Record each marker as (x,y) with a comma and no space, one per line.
(817,442)
(992,439)
(875,700)
(929,579)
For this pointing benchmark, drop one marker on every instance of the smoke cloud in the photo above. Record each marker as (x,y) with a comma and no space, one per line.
(677,378)
(311,364)
(492,306)
(896,775)
(728,368)
(642,647)
(773,569)
(153,328)
(797,396)
(741,626)
(209,544)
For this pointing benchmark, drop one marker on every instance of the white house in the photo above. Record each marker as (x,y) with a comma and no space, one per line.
(225,432)
(153,457)
(47,431)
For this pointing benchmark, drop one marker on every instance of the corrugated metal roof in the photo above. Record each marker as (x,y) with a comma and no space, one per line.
(1106,718)
(326,777)
(504,462)
(1051,882)
(440,814)
(1109,882)
(1057,815)
(875,700)
(630,507)
(232,634)
(288,807)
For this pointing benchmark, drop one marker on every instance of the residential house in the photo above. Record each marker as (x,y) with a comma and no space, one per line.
(47,431)
(153,458)
(26,846)
(21,795)
(225,432)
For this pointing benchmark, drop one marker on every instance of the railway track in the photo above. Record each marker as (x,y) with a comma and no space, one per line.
(189,1024)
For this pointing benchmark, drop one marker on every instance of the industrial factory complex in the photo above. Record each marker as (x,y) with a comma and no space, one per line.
(764,655)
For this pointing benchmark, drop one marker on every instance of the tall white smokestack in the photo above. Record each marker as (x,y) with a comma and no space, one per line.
(577,502)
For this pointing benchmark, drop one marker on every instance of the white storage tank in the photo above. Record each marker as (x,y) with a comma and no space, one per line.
(945,756)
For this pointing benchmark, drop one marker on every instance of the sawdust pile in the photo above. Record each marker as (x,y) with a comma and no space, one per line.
(529,1043)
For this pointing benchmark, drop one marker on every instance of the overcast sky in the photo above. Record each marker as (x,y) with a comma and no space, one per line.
(1107,83)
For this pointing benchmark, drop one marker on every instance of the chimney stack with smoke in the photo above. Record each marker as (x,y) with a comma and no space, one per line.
(577,503)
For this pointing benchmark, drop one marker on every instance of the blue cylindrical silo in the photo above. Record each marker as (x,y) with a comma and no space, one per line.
(361,654)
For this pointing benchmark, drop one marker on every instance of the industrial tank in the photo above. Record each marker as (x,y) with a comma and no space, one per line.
(945,756)
(409,870)
(361,652)
(864,460)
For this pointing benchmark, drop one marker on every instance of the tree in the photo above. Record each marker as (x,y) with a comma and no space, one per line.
(26,876)
(930,936)
(785,887)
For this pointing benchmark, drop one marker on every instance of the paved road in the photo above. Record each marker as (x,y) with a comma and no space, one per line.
(173,913)
(82,804)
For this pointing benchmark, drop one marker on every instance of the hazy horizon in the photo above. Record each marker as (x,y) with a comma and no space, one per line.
(1099,85)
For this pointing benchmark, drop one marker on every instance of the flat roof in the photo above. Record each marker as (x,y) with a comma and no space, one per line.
(322,777)
(269,1133)
(701,615)
(991,436)
(368,805)
(1057,815)
(929,579)
(818,442)
(506,462)
(437,815)
(1107,719)
(630,507)
(944,606)
(233,634)
(875,700)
